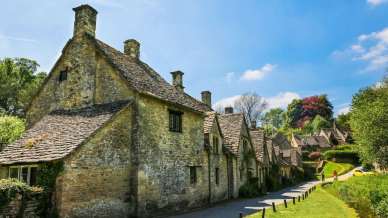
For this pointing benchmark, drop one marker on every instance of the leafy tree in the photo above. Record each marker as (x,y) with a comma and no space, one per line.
(19,81)
(369,124)
(302,110)
(274,118)
(320,123)
(251,105)
(342,121)
(11,128)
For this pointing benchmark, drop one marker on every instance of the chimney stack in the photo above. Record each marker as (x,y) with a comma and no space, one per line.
(132,48)
(229,110)
(85,20)
(207,98)
(177,79)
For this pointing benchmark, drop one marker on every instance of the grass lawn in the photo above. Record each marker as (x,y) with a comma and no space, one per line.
(341,168)
(319,204)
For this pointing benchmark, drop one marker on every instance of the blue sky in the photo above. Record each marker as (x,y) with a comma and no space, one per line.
(278,49)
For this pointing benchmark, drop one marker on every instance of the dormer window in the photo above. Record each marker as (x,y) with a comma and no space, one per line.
(62,75)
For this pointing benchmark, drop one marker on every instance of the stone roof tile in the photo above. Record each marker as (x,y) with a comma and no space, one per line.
(231,125)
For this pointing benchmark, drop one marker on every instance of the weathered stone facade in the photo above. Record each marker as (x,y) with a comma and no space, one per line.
(132,163)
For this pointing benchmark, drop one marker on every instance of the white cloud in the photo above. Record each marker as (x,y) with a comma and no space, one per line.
(376,2)
(225,102)
(281,100)
(372,49)
(258,74)
(343,110)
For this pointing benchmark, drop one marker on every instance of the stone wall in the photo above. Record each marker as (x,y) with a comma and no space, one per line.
(95,180)
(166,158)
(19,207)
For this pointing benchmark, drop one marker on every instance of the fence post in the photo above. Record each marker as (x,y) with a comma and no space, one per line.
(299,198)
(302,196)
(263,214)
(273,207)
(241,215)
(293,200)
(285,203)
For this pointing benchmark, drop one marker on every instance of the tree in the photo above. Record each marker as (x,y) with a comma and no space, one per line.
(251,105)
(369,124)
(11,129)
(342,121)
(273,119)
(300,111)
(19,81)
(320,123)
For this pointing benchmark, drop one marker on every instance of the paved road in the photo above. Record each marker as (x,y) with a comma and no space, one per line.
(231,209)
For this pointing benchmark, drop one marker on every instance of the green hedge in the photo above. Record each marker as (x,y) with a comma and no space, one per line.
(341,156)
(10,187)
(367,194)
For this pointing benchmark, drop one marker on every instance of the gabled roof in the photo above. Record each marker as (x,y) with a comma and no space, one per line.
(57,134)
(320,141)
(299,140)
(208,121)
(145,80)
(258,141)
(280,140)
(231,126)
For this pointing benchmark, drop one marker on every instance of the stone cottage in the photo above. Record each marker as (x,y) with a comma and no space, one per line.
(131,144)
(238,141)
(262,155)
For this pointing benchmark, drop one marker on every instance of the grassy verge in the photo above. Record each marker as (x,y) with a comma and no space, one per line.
(341,168)
(319,204)
(368,194)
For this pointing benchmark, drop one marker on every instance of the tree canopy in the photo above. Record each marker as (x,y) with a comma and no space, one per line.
(299,111)
(251,105)
(19,81)
(369,123)
(11,128)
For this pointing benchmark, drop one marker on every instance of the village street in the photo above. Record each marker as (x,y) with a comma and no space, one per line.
(231,209)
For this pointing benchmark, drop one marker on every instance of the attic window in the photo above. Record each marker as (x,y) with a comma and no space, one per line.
(63,75)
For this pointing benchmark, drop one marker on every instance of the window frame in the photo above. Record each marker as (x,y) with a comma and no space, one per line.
(216,145)
(63,75)
(217,175)
(175,125)
(20,172)
(193,175)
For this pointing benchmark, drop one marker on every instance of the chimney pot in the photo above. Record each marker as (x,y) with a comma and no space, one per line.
(85,20)
(132,48)
(207,98)
(177,79)
(229,110)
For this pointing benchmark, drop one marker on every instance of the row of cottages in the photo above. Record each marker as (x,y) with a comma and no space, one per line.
(324,139)
(130,143)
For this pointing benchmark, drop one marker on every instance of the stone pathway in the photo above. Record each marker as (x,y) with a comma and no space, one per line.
(231,209)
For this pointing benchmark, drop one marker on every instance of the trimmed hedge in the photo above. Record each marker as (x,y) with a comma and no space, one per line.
(341,156)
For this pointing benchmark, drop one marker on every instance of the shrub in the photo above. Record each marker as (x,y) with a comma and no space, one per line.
(314,155)
(250,189)
(344,147)
(341,156)
(10,187)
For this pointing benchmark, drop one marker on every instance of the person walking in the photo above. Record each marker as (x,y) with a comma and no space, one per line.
(335,175)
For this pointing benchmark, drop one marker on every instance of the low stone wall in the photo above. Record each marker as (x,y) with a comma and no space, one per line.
(21,207)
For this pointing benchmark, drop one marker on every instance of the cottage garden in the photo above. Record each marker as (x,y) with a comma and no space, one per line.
(104,135)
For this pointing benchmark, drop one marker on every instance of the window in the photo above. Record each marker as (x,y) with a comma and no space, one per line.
(193,175)
(245,145)
(175,121)
(26,174)
(216,145)
(63,75)
(217,172)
